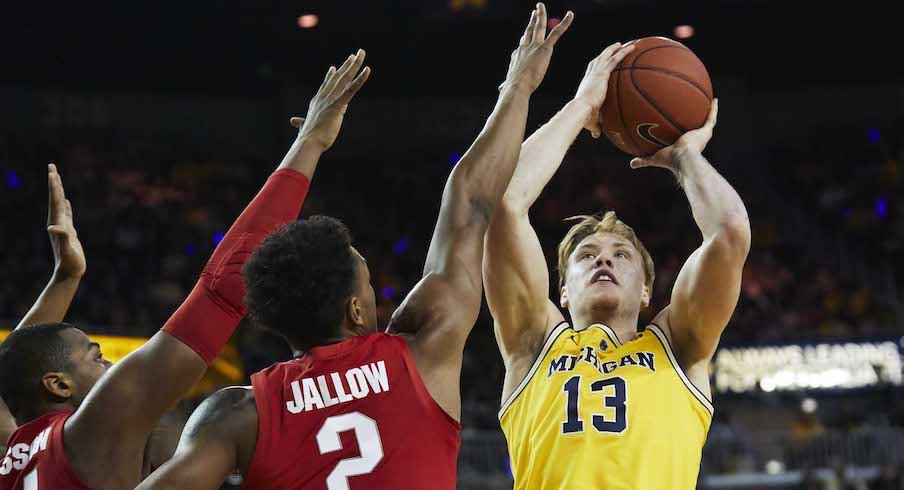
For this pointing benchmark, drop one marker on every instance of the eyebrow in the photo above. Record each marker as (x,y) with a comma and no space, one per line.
(584,246)
(94,344)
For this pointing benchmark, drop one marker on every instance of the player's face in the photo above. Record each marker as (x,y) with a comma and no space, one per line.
(365,294)
(87,363)
(605,273)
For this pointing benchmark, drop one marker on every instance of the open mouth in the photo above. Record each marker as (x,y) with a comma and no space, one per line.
(603,275)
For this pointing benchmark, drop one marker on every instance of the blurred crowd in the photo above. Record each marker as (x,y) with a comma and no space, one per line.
(150,209)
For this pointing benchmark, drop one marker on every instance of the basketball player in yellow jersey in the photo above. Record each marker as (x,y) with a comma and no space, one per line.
(597,404)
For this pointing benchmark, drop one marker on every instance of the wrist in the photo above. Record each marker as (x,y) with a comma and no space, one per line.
(308,144)
(582,106)
(684,158)
(514,89)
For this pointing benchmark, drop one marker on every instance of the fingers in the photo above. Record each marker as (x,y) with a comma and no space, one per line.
(57,230)
(608,52)
(347,74)
(528,35)
(337,75)
(619,56)
(326,79)
(713,115)
(642,162)
(57,197)
(539,31)
(352,70)
(296,122)
(560,29)
(355,86)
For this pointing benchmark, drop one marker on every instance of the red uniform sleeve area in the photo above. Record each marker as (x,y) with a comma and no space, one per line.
(207,318)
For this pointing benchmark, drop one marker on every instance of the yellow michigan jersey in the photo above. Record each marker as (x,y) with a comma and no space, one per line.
(594,413)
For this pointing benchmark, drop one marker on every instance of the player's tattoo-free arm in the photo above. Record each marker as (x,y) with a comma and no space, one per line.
(178,355)
(218,439)
(515,274)
(707,288)
(68,257)
(69,267)
(442,308)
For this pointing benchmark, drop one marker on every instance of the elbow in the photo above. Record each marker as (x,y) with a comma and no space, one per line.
(513,205)
(734,235)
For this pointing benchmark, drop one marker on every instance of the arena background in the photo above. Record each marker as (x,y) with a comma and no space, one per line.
(164,119)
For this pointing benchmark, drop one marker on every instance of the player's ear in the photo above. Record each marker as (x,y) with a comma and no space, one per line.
(356,316)
(563,298)
(645,297)
(58,384)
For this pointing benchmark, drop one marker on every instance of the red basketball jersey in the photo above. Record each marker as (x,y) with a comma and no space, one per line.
(353,415)
(35,458)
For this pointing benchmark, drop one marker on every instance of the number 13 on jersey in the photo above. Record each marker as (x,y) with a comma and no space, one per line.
(615,394)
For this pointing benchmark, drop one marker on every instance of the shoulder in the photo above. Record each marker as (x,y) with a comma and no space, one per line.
(661,320)
(229,411)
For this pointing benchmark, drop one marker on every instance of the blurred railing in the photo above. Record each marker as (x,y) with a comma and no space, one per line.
(761,458)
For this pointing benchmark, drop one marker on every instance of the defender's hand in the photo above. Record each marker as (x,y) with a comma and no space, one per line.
(325,113)
(595,83)
(693,142)
(531,58)
(68,255)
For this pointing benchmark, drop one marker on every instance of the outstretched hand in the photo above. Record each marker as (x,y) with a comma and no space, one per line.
(68,255)
(531,58)
(692,141)
(595,83)
(321,125)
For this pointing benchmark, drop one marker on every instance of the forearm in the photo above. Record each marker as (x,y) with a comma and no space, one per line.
(716,206)
(485,171)
(54,301)
(302,157)
(543,152)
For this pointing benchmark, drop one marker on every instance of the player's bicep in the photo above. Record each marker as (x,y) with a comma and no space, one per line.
(441,308)
(517,281)
(704,298)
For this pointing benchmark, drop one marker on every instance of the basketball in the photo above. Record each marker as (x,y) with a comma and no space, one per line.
(658,92)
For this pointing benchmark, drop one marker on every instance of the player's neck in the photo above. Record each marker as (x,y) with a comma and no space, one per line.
(623,323)
(29,414)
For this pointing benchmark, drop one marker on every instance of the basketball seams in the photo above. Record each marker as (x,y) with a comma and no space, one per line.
(655,106)
(669,73)
(621,114)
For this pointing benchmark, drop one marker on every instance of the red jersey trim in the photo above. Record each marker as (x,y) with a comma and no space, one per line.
(61,460)
(263,430)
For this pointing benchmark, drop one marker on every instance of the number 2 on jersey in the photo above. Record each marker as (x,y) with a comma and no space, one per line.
(369,445)
(573,422)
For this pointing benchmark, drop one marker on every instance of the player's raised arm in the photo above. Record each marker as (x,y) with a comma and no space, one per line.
(126,404)
(68,257)
(441,310)
(214,442)
(69,267)
(707,288)
(515,273)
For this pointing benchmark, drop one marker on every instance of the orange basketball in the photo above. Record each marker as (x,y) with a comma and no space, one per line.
(657,93)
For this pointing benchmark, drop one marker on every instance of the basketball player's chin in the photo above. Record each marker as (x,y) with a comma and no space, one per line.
(605,297)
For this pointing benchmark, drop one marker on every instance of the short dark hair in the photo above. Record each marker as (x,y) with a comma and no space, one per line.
(25,356)
(299,280)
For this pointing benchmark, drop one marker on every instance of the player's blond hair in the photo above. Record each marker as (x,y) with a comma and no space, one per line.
(607,223)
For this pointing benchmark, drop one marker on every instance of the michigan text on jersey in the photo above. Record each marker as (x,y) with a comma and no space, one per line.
(591,356)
